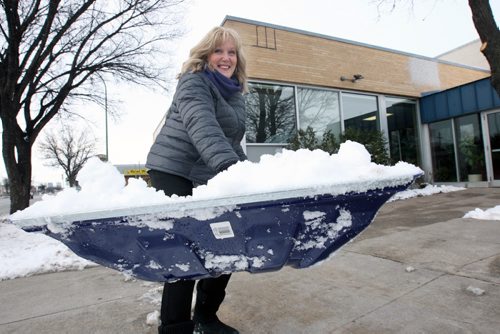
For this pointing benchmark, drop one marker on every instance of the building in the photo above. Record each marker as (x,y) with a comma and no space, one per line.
(133,171)
(467,54)
(437,113)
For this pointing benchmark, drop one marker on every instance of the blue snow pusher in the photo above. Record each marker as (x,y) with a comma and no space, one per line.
(171,242)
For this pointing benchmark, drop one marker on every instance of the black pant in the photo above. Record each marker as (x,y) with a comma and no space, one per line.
(177,296)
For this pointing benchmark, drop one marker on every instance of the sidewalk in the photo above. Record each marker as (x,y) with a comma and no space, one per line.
(419,268)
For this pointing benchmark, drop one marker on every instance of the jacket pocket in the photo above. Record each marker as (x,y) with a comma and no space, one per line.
(201,172)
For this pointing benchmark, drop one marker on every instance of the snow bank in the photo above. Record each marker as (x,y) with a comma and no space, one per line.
(430,189)
(488,214)
(25,254)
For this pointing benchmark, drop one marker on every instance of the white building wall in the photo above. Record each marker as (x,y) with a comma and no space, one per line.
(468,54)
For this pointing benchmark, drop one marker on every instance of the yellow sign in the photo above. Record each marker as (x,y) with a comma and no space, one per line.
(135,172)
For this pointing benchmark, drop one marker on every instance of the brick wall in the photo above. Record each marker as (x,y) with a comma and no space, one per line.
(283,55)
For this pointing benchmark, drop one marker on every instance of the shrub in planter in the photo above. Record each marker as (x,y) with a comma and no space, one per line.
(472,154)
(373,141)
(304,139)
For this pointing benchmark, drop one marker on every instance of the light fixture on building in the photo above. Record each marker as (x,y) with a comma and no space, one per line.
(355,78)
(374,117)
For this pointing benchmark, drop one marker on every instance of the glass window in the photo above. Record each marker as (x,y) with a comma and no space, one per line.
(360,111)
(319,109)
(470,147)
(271,114)
(442,151)
(402,128)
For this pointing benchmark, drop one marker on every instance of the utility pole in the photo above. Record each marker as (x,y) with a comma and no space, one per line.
(105,112)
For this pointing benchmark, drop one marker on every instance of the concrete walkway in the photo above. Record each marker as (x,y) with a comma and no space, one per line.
(419,268)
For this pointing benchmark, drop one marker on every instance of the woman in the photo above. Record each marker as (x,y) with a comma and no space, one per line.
(200,138)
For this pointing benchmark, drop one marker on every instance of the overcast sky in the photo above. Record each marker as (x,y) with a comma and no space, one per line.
(431,28)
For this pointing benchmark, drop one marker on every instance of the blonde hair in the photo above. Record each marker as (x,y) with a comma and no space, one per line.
(198,56)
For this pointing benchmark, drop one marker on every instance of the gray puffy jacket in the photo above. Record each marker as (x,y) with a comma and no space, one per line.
(202,132)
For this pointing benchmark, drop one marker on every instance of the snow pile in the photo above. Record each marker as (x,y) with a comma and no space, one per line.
(350,169)
(427,191)
(103,187)
(475,290)
(25,254)
(153,318)
(410,269)
(488,214)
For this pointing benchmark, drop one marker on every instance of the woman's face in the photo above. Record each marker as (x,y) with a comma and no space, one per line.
(224,58)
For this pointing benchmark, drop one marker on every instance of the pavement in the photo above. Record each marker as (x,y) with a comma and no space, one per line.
(419,268)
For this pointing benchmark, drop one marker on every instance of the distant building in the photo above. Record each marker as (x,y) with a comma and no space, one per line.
(133,171)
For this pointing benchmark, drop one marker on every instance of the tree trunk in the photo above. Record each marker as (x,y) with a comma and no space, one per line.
(20,187)
(19,173)
(489,34)
(72,179)
(261,136)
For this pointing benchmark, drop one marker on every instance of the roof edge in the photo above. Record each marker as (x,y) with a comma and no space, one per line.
(347,41)
(430,93)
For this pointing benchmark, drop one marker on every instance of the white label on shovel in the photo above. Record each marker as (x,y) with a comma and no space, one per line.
(222,230)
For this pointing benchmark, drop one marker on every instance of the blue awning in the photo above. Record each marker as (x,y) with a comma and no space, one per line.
(466,99)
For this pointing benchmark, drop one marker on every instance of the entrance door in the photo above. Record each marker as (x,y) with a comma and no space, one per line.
(493,156)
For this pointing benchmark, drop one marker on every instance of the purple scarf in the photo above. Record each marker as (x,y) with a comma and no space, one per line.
(226,86)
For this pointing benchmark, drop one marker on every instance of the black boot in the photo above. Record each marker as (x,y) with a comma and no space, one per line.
(210,294)
(185,327)
(213,327)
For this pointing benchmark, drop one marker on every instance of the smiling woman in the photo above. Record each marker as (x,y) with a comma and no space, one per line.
(200,137)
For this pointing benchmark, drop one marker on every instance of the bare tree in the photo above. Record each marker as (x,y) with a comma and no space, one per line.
(486,27)
(68,150)
(50,50)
